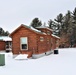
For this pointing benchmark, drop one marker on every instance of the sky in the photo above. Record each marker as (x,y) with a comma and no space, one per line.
(13,13)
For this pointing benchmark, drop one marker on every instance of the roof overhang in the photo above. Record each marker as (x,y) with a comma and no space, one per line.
(55,36)
(25,26)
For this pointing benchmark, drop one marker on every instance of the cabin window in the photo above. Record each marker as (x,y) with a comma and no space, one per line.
(47,39)
(24,43)
(48,32)
(41,38)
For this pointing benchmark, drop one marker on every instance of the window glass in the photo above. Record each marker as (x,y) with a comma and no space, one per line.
(24,46)
(23,43)
(23,40)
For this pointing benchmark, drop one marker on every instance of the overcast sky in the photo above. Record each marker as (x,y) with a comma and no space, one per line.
(16,12)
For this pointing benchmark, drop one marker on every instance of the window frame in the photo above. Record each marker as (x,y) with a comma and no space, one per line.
(25,43)
(41,38)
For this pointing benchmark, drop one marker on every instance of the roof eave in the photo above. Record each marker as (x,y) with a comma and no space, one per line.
(25,27)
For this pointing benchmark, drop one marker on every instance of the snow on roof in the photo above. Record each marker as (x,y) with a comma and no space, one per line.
(55,36)
(43,26)
(5,38)
(37,30)
(49,29)
(21,57)
(34,29)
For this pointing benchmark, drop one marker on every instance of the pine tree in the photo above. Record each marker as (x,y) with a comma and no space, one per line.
(6,33)
(59,23)
(36,22)
(74,25)
(53,26)
(74,14)
(50,23)
(3,33)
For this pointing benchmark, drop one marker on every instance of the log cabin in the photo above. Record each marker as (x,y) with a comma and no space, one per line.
(4,42)
(34,42)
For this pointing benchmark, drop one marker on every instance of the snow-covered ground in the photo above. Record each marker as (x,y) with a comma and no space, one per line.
(62,64)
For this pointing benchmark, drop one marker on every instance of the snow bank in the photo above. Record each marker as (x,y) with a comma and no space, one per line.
(21,56)
(63,63)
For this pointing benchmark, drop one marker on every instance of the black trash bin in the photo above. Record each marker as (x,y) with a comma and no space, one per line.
(56,52)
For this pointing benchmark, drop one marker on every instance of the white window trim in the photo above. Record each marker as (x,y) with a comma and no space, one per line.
(41,38)
(21,45)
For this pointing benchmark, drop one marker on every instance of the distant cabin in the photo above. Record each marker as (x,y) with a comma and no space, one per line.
(5,41)
(31,41)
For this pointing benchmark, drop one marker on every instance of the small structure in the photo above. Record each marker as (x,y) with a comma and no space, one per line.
(2,59)
(5,42)
(34,42)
